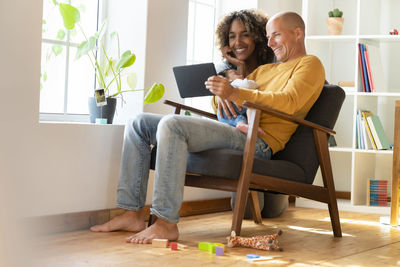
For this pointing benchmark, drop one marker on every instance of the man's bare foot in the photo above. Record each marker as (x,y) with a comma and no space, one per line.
(161,229)
(132,221)
(244,128)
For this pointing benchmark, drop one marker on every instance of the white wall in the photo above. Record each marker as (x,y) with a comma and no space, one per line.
(53,168)
(271,7)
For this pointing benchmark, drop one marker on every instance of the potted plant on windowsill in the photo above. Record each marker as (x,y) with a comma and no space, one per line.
(335,22)
(109,72)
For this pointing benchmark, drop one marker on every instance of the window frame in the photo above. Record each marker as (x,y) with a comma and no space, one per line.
(67,44)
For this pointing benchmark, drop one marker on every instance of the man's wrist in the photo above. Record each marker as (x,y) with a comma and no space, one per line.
(235,94)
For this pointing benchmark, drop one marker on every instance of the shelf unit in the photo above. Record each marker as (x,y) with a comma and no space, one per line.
(365,21)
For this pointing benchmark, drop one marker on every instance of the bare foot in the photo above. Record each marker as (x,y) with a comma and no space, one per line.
(244,128)
(161,229)
(132,221)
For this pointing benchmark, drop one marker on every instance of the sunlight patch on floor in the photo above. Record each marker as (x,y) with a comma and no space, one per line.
(313,230)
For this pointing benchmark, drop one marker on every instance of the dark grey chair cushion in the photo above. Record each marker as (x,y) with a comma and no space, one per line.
(298,161)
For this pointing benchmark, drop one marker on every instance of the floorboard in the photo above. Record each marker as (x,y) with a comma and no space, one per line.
(307,240)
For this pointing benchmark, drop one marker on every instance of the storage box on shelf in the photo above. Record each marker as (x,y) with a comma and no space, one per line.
(367,22)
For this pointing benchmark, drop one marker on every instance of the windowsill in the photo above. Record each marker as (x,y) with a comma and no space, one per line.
(79,123)
(69,119)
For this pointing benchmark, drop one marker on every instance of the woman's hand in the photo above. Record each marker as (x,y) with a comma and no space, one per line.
(240,65)
(226,105)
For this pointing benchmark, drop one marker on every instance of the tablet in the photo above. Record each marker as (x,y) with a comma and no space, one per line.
(190,79)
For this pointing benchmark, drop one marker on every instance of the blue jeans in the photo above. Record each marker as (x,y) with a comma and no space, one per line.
(174,136)
(241,116)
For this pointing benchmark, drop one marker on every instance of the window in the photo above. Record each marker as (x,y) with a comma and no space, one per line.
(66,83)
(200,43)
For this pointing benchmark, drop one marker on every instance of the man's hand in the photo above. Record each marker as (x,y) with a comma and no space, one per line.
(220,86)
(226,105)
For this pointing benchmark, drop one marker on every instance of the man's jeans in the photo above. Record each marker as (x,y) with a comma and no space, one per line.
(174,136)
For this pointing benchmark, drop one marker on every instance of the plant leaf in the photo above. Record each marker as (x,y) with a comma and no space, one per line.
(55,2)
(132,80)
(85,47)
(57,49)
(155,93)
(60,34)
(126,60)
(70,15)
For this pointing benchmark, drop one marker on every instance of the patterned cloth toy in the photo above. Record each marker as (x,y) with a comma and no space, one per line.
(263,242)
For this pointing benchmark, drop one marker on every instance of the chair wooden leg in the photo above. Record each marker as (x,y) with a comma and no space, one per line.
(394,210)
(247,166)
(327,176)
(255,207)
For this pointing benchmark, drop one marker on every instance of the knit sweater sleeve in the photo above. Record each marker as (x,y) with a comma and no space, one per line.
(307,77)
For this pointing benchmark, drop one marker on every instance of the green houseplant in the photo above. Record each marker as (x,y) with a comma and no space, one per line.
(110,71)
(335,22)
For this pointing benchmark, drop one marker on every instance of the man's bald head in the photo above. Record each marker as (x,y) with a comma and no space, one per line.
(292,20)
(285,33)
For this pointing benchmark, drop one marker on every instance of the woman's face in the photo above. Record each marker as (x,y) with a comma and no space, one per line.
(240,41)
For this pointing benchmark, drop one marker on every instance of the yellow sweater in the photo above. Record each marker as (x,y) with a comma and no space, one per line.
(291,87)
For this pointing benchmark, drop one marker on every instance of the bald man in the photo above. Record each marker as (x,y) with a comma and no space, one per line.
(291,86)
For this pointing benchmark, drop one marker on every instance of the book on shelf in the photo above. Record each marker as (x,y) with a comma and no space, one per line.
(367,63)
(364,79)
(376,68)
(364,139)
(377,192)
(365,115)
(378,132)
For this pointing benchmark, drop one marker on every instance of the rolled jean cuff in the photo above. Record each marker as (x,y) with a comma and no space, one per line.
(128,207)
(156,213)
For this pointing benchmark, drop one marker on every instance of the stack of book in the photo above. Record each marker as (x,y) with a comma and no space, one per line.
(369,132)
(377,195)
(371,70)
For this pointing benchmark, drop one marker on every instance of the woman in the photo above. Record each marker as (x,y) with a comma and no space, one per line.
(242,40)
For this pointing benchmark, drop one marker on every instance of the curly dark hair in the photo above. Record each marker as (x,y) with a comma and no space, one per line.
(255,22)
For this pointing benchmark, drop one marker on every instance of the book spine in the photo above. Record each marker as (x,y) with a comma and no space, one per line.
(369,131)
(370,80)
(367,89)
(374,133)
(361,67)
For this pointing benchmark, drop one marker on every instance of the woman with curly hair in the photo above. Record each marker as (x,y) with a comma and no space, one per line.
(242,40)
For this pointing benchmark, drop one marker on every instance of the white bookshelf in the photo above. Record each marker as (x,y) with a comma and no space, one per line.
(365,21)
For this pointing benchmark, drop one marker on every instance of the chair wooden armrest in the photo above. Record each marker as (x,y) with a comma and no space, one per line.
(178,108)
(288,117)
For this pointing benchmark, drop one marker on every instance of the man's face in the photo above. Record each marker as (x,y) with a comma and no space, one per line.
(282,40)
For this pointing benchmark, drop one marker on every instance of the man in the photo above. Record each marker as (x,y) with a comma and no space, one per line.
(291,86)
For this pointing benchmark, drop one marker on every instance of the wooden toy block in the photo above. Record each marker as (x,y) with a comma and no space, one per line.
(174,246)
(159,243)
(204,246)
(220,245)
(219,251)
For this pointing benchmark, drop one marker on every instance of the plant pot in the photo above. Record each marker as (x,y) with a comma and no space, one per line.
(335,25)
(104,112)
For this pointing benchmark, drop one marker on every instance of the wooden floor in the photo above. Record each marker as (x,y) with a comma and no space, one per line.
(307,240)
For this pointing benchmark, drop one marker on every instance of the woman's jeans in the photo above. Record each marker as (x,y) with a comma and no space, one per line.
(175,136)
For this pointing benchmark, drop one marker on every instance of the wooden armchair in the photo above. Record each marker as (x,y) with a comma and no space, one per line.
(290,171)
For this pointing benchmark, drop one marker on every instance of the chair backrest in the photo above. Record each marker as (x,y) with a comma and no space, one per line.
(324,112)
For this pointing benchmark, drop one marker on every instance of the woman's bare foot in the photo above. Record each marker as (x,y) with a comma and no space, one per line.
(244,128)
(161,229)
(132,221)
